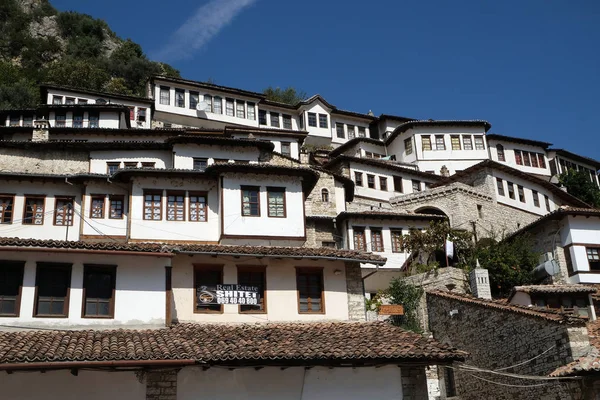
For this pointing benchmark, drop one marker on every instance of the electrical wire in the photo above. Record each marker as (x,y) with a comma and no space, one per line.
(527,361)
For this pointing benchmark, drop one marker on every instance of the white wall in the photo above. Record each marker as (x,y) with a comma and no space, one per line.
(340,197)
(317,383)
(287,111)
(580,232)
(282,298)
(509,156)
(61,385)
(139,294)
(276,140)
(398,149)
(236,224)
(314,131)
(98,159)
(185,154)
(527,188)
(107,119)
(106,225)
(346,120)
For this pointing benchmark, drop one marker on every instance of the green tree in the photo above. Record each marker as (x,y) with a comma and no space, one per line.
(117,85)
(16,90)
(79,73)
(401,292)
(579,184)
(289,95)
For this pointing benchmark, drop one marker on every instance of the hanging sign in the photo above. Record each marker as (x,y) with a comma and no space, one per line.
(228,294)
(391,309)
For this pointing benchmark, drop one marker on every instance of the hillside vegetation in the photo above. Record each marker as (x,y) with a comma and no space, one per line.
(40,44)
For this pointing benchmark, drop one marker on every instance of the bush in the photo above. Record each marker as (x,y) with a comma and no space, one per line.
(401,292)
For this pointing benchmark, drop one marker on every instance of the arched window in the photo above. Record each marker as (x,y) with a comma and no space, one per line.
(500,150)
(325,195)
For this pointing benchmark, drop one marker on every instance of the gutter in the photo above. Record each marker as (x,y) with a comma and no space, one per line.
(95,364)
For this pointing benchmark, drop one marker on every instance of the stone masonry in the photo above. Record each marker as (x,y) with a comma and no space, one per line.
(161,385)
(354,288)
(320,230)
(44,161)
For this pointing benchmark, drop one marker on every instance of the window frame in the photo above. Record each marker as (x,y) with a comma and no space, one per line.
(592,249)
(324,125)
(263,297)
(383,183)
(408,149)
(197,194)
(256,189)
(251,115)
(66,301)
(521,192)
(377,245)
(397,242)
(161,98)
(78,119)
(518,157)
(397,179)
(536,198)
(199,159)
(43,212)
(324,195)
(440,143)
(478,140)
(176,207)
(455,142)
(362,234)
(361,132)
(511,190)
(207,267)
(357,181)
(274,119)
(312,117)
(276,189)
(416,183)
(152,192)
(500,187)
(194,99)
(371,177)
(500,152)
(426,143)
(262,117)
(467,142)
(19,267)
(116,197)
(4,212)
(111,307)
(289,148)
(60,120)
(112,164)
(339,130)
(229,111)
(311,271)
(287,121)
(95,197)
(547,201)
(179,98)
(351,131)
(69,218)
(240,109)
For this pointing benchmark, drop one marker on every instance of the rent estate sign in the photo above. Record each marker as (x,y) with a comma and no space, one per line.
(228,294)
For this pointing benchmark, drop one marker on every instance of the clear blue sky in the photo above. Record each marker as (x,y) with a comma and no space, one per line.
(531,68)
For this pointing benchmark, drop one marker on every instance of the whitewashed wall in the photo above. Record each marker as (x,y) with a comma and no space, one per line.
(579,232)
(347,120)
(105,226)
(185,153)
(398,149)
(107,119)
(509,156)
(98,159)
(314,131)
(527,188)
(340,197)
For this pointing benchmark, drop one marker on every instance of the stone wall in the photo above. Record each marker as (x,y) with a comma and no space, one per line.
(44,161)
(414,384)
(545,239)
(161,385)
(365,204)
(510,341)
(314,203)
(319,231)
(354,288)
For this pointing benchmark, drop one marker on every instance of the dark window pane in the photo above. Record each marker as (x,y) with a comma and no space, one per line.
(43,307)
(8,306)
(91,308)
(57,307)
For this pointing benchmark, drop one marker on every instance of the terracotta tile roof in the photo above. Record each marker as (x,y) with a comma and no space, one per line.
(321,343)
(554,289)
(536,312)
(589,364)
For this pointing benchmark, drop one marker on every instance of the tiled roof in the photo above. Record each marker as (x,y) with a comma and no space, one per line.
(431,122)
(391,165)
(220,140)
(536,312)
(84,146)
(319,343)
(554,289)
(589,364)
(95,92)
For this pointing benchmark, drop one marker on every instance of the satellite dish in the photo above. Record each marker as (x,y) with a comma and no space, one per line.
(202,106)
(100,101)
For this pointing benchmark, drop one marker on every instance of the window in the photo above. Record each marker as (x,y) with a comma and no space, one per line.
(209,102)
(56,99)
(93,119)
(521,193)
(206,277)
(27,121)
(350,129)
(449,382)
(77,120)
(152,205)
(398,184)
(500,152)
(339,129)
(301,121)
(276,202)
(34,210)
(479,143)
(115,206)
(250,201)
(371,181)
(197,207)
(467,144)
(309,282)
(541,161)
(286,147)
(63,211)
(11,281)
(194,99)
(175,206)
(218,105)
(200,164)
(254,276)
(61,120)
(426,142)
(130,164)
(53,283)
(358,178)
(408,147)
(383,183)
(511,190)
(82,101)
(229,107)
(262,117)
(440,144)
(165,95)
(69,100)
(376,240)
(7,202)
(251,111)
(97,207)
(99,291)
(518,157)
(325,195)
(148,164)
(274,119)
(141,114)
(112,167)
(287,121)
(396,240)
(416,185)
(547,201)
(534,160)
(455,142)
(593,256)
(323,121)
(15,120)
(312,119)
(500,186)
(240,109)
(526,159)
(536,198)
(359,239)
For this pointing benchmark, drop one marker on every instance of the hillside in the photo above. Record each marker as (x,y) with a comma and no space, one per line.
(40,44)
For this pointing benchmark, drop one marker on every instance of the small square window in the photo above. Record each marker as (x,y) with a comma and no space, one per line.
(200,164)
(112,167)
(362,132)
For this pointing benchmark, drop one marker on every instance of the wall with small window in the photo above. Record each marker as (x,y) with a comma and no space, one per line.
(40,210)
(288,146)
(278,118)
(525,195)
(403,147)
(86,119)
(524,157)
(104,162)
(190,156)
(316,119)
(66,289)
(105,211)
(175,209)
(291,290)
(580,237)
(347,128)
(268,207)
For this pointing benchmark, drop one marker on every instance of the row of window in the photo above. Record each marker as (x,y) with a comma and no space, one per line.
(593,256)
(323,120)
(177,204)
(67,100)
(93,121)
(360,241)
(526,158)
(369,154)
(567,165)
(275,119)
(141,114)
(114,166)
(52,289)
(521,192)
(309,286)
(34,210)
(15,120)
(440,143)
(383,182)
(99,209)
(352,131)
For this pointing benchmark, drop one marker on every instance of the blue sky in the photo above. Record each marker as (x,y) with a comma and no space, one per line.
(531,68)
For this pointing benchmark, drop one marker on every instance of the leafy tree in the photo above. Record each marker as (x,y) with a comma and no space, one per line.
(579,184)
(74,24)
(80,73)
(289,95)
(401,292)
(16,91)
(117,85)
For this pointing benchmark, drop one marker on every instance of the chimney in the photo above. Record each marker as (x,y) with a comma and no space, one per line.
(41,131)
(479,279)
(444,171)
(304,156)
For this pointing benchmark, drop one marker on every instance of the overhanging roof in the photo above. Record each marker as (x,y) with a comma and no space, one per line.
(430,122)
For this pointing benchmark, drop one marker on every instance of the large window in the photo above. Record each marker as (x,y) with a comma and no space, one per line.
(286,149)
(53,283)
(287,121)
(376,240)
(116,206)
(240,109)
(312,119)
(250,201)
(521,193)
(262,117)
(34,210)
(440,144)
(197,207)
(426,142)
(276,202)
(11,281)
(360,242)
(206,277)
(194,99)
(339,130)
(511,189)
(371,181)
(229,107)
(455,141)
(254,276)
(323,121)
(179,98)
(593,256)
(383,183)
(274,119)
(467,143)
(251,111)
(99,291)
(500,186)
(63,211)
(396,240)
(479,143)
(358,178)
(165,96)
(97,206)
(153,205)
(309,282)
(6,208)
(175,206)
